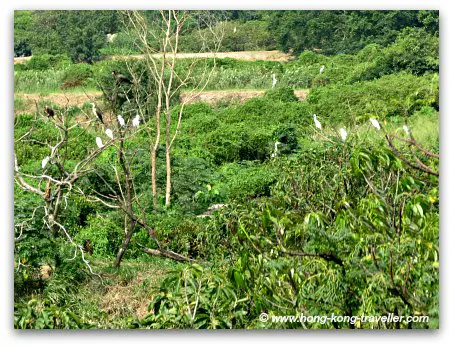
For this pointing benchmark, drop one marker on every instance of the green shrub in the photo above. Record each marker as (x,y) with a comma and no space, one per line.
(77,75)
(415,51)
(220,307)
(47,61)
(311,58)
(43,315)
(389,96)
(245,180)
(104,234)
(282,94)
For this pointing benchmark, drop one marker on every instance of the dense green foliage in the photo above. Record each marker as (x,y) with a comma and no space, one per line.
(22,33)
(82,34)
(340,32)
(79,34)
(304,222)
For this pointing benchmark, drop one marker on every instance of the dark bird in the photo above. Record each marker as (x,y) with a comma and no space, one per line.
(120,78)
(97,112)
(50,112)
(87,247)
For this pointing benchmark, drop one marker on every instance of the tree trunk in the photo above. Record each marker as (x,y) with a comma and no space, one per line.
(168,187)
(125,244)
(128,204)
(155,147)
(167,153)
(154,175)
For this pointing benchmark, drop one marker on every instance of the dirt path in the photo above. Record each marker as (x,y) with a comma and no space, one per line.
(215,96)
(21,60)
(62,99)
(245,55)
(79,99)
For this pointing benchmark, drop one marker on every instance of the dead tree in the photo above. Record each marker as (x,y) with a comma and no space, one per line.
(159,43)
(55,189)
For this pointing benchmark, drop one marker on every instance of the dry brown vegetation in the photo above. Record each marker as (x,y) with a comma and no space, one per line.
(215,96)
(131,298)
(61,99)
(244,55)
(208,96)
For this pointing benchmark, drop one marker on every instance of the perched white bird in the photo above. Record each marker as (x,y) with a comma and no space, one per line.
(111,37)
(109,133)
(322,69)
(99,142)
(292,272)
(97,112)
(406,129)
(317,123)
(234,30)
(343,134)
(136,121)
(45,161)
(375,123)
(276,144)
(121,120)
(274,80)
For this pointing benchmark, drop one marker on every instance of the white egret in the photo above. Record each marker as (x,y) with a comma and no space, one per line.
(99,142)
(121,120)
(136,121)
(321,70)
(375,123)
(276,144)
(234,30)
(274,81)
(406,129)
(317,123)
(292,272)
(45,161)
(343,134)
(111,37)
(109,133)
(97,113)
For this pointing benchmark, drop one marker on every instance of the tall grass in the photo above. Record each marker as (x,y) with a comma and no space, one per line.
(37,81)
(43,82)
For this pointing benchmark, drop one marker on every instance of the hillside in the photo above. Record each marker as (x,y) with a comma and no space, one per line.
(209,190)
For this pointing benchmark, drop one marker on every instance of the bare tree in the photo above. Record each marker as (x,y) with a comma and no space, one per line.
(123,195)
(55,187)
(159,40)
